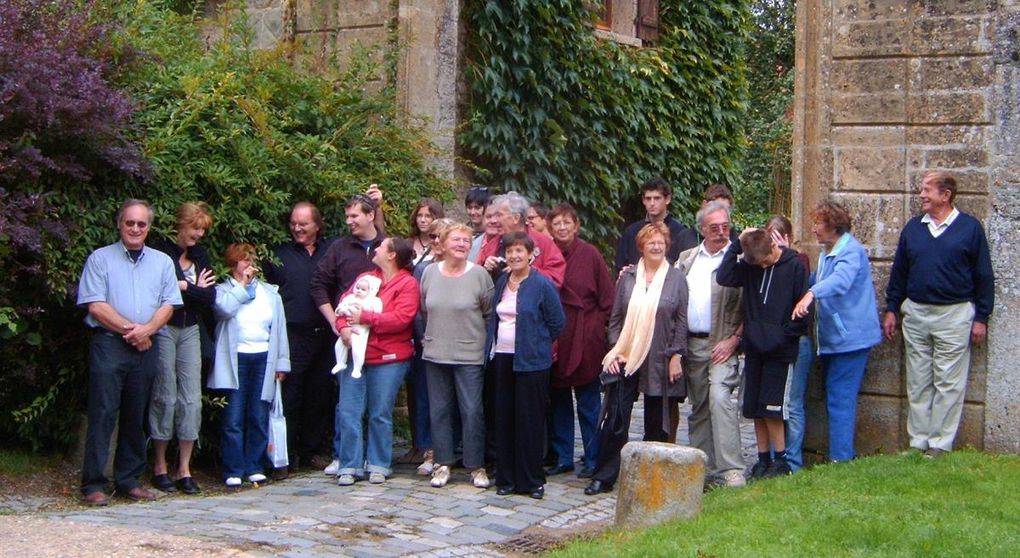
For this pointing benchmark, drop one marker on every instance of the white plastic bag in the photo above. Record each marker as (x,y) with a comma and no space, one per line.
(277,449)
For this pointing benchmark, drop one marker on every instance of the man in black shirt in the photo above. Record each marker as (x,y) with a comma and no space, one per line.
(656,194)
(309,395)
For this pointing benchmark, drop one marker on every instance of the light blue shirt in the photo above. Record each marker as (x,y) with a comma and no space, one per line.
(134,289)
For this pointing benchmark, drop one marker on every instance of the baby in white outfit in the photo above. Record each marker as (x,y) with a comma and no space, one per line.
(364,296)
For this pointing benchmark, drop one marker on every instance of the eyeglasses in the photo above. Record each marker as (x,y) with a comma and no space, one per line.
(140,224)
(721,227)
(478,189)
(434,236)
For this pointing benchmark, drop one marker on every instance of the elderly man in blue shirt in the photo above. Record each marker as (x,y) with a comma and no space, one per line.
(130,291)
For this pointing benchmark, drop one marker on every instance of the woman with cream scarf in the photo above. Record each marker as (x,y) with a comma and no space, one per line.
(648,335)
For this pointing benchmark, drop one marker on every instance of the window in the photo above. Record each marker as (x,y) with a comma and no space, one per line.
(603,10)
(647,21)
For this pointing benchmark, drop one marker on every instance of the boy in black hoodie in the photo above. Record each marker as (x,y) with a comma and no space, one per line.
(773,279)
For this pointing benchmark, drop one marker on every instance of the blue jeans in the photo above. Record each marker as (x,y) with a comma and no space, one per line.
(421,419)
(374,393)
(795,422)
(561,418)
(843,375)
(246,420)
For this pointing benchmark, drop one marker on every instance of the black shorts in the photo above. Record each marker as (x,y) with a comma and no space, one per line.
(766,387)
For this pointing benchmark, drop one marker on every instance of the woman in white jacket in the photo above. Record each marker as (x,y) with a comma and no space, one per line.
(251,352)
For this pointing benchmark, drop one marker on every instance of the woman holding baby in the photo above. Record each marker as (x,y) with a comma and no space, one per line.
(387,358)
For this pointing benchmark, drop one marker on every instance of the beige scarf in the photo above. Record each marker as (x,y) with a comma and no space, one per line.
(639,324)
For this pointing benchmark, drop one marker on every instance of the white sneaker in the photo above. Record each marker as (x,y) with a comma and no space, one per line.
(479,478)
(345,480)
(440,476)
(333,468)
(734,478)
(376,478)
(428,465)
(257,477)
(233,481)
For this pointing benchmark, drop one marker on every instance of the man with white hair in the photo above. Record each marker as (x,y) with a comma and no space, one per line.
(511,210)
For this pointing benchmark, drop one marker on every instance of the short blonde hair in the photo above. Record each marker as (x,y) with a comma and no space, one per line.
(239,251)
(194,215)
(646,232)
(443,236)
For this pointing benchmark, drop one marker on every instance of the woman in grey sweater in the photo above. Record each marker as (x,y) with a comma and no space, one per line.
(455,304)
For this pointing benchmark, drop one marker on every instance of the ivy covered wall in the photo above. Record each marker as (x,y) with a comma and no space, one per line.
(561,115)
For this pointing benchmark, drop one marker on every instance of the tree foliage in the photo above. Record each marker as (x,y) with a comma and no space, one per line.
(769,129)
(170,108)
(562,115)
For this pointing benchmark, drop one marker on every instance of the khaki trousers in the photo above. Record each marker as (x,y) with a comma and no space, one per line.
(937,343)
(714,423)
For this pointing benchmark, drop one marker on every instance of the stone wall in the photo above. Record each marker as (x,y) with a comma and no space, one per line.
(885,91)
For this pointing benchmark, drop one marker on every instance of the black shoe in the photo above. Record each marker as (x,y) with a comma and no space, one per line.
(586,473)
(188,485)
(163,483)
(758,471)
(538,493)
(504,490)
(559,470)
(280,473)
(598,487)
(778,468)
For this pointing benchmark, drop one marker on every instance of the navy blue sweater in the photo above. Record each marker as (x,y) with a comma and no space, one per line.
(955,267)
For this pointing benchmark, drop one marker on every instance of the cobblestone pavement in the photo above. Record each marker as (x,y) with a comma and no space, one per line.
(307,515)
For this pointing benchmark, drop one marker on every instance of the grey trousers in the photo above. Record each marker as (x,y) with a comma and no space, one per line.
(714,423)
(461,385)
(176,404)
(937,344)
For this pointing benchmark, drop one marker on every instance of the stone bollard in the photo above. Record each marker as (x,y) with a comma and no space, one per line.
(659,482)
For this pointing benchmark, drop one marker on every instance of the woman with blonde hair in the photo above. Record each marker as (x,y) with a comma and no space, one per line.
(648,336)
(175,406)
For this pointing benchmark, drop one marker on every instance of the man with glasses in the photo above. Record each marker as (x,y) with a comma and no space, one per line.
(714,323)
(130,292)
(713,193)
(308,393)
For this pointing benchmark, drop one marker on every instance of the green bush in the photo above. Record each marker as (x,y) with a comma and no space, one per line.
(561,115)
(245,130)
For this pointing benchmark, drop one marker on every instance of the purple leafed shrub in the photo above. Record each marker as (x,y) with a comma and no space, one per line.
(60,118)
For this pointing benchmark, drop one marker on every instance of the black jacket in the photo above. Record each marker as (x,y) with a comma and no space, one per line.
(768,300)
(198,301)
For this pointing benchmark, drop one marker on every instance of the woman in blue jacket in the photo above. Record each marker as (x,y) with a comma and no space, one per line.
(846,319)
(528,317)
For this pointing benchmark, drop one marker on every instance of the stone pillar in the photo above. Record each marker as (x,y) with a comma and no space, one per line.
(886,91)
(659,482)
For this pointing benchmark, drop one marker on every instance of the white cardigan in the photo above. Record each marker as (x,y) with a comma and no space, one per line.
(230,297)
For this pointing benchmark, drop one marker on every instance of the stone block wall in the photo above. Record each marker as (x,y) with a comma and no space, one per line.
(887,90)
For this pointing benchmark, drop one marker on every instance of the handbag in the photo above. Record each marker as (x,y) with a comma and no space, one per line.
(277,449)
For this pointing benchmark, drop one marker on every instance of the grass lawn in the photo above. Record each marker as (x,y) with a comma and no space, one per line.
(963,504)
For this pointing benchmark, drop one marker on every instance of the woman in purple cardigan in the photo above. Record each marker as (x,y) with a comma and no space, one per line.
(587,297)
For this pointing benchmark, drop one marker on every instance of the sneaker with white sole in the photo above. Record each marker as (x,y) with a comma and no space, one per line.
(233,482)
(440,476)
(428,465)
(376,478)
(257,477)
(479,478)
(333,468)
(734,478)
(345,480)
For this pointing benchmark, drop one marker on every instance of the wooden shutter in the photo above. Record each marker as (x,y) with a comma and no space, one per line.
(648,20)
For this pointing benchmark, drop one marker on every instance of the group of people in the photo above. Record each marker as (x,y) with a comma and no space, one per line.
(500,324)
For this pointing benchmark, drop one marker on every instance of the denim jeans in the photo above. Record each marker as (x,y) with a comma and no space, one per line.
(795,423)
(422,421)
(374,394)
(453,386)
(561,419)
(246,420)
(843,375)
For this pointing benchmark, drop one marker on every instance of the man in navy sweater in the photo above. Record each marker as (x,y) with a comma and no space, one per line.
(942,283)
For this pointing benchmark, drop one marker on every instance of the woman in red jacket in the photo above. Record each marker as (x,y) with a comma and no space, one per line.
(387,360)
